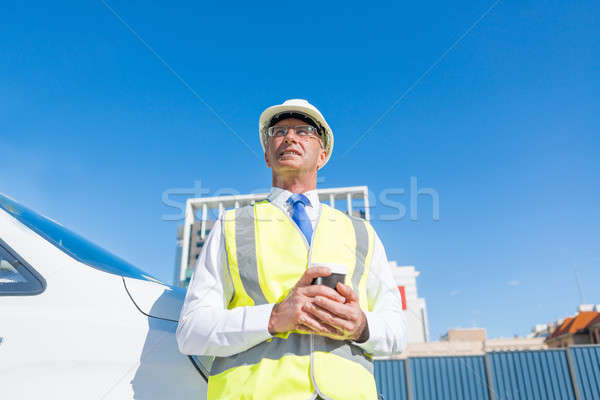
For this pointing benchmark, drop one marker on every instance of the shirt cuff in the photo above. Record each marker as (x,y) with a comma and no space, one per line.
(256,324)
(374,323)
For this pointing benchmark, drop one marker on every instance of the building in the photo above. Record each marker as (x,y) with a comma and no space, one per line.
(464,335)
(515,344)
(594,328)
(580,328)
(470,342)
(196,244)
(201,212)
(542,330)
(414,306)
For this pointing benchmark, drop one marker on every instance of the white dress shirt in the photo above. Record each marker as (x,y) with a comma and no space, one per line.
(207,328)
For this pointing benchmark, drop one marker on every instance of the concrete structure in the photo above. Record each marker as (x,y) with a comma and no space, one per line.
(542,330)
(464,335)
(470,342)
(198,221)
(416,309)
(196,244)
(514,344)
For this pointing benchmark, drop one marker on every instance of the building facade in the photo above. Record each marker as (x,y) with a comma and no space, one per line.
(201,212)
(414,306)
(470,342)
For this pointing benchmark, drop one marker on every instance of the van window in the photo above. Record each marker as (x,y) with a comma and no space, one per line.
(16,278)
(71,243)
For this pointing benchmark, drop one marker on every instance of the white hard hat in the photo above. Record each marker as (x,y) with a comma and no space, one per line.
(300,106)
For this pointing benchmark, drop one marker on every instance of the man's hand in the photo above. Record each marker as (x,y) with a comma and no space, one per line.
(289,314)
(347,318)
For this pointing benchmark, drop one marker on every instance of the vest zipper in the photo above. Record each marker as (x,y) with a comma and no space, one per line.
(309,247)
(312,336)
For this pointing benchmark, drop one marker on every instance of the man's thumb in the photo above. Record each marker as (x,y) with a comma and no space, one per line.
(312,273)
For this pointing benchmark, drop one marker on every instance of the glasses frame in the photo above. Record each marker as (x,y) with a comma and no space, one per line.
(312,131)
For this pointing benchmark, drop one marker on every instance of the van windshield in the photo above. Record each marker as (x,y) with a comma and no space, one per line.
(71,243)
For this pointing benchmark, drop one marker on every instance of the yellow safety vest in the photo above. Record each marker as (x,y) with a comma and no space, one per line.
(267,254)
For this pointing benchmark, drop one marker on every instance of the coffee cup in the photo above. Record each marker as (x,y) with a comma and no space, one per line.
(338,274)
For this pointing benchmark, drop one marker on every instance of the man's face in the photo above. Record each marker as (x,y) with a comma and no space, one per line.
(293,152)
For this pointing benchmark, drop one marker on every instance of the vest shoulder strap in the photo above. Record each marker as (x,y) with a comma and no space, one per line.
(238,230)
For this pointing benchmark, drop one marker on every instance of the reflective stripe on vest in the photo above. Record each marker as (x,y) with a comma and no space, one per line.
(267,254)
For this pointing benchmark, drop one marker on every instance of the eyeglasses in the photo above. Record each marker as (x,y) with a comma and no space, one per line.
(300,130)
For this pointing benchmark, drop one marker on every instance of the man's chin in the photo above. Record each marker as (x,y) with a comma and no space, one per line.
(290,164)
(290,160)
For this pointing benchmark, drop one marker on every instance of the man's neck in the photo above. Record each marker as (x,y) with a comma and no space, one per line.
(296,184)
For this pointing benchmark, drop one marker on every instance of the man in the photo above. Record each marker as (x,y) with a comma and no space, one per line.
(251,304)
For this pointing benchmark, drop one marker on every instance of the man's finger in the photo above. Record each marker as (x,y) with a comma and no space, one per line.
(339,309)
(312,273)
(304,328)
(347,292)
(321,290)
(309,321)
(324,316)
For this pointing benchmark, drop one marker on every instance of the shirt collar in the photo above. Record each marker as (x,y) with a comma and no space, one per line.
(279,196)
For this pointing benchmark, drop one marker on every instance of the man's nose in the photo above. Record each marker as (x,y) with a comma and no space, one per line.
(289,136)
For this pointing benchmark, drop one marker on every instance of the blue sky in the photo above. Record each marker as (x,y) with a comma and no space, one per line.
(499,115)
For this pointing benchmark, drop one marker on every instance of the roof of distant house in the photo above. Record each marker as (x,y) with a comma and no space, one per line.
(575,324)
(595,321)
(561,329)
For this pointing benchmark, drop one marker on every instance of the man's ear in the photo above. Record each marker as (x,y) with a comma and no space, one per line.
(267,160)
(322,158)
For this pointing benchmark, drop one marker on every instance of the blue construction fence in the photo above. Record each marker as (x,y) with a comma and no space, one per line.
(561,374)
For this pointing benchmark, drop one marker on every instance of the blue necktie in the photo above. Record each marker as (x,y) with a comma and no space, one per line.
(299,202)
